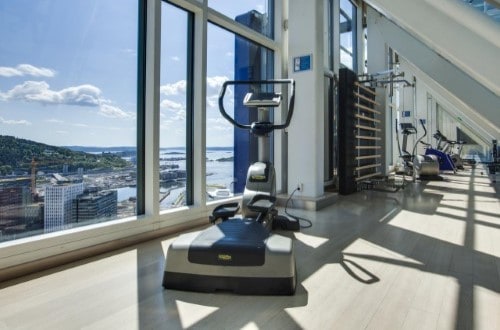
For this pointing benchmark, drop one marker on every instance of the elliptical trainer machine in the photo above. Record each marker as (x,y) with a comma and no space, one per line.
(242,255)
(445,145)
(445,161)
(425,167)
(261,177)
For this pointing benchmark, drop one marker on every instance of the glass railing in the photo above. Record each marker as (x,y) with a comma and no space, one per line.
(488,8)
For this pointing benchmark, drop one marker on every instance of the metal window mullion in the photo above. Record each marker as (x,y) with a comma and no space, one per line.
(152,108)
(232,26)
(190,110)
(199,108)
(141,90)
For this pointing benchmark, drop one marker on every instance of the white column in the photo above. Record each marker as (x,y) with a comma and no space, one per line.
(305,138)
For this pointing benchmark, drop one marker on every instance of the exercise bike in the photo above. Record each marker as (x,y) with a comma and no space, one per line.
(242,254)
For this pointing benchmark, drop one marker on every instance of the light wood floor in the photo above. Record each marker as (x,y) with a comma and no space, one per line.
(424,258)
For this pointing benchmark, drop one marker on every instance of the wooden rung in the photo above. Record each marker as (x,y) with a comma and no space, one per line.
(368,147)
(368,128)
(367,157)
(367,109)
(363,137)
(367,166)
(367,176)
(364,88)
(367,118)
(366,98)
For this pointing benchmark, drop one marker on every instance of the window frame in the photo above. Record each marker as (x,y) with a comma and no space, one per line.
(150,222)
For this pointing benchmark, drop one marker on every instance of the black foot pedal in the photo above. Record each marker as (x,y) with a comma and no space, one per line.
(224,212)
(284,223)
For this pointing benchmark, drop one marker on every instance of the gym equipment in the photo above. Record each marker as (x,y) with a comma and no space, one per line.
(242,255)
(447,146)
(494,165)
(360,152)
(425,167)
(445,161)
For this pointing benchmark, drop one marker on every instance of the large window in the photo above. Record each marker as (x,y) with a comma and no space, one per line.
(230,150)
(255,14)
(77,86)
(348,34)
(68,113)
(175,107)
(456,130)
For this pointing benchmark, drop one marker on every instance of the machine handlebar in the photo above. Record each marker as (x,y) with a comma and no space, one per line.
(423,126)
(269,126)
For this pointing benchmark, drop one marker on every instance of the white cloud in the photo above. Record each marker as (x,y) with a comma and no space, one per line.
(110,111)
(175,58)
(176,88)
(87,95)
(40,92)
(212,101)
(214,84)
(171,105)
(177,111)
(26,70)
(14,122)
(82,95)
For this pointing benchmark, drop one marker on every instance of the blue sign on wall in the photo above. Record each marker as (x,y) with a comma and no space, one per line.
(302,63)
(406,114)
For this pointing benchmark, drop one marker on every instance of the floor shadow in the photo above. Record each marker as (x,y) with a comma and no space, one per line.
(160,308)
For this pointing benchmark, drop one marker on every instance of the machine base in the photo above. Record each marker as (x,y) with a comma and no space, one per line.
(236,255)
(238,285)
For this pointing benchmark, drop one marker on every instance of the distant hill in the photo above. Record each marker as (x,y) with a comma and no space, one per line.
(103,149)
(16,155)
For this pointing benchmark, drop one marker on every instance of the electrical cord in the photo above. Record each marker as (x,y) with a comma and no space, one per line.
(296,218)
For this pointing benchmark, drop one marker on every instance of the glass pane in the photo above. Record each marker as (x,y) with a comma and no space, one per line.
(68,109)
(347,34)
(173,106)
(346,7)
(489,9)
(475,148)
(346,59)
(255,14)
(346,42)
(229,150)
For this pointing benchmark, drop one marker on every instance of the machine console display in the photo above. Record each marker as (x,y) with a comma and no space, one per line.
(262,99)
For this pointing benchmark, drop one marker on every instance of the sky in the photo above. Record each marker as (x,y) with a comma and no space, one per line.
(68,71)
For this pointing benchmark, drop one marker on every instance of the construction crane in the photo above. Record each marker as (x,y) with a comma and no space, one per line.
(34,164)
(33,177)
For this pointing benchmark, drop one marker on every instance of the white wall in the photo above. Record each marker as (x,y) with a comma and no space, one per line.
(463,36)
(306,132)
(478,96)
